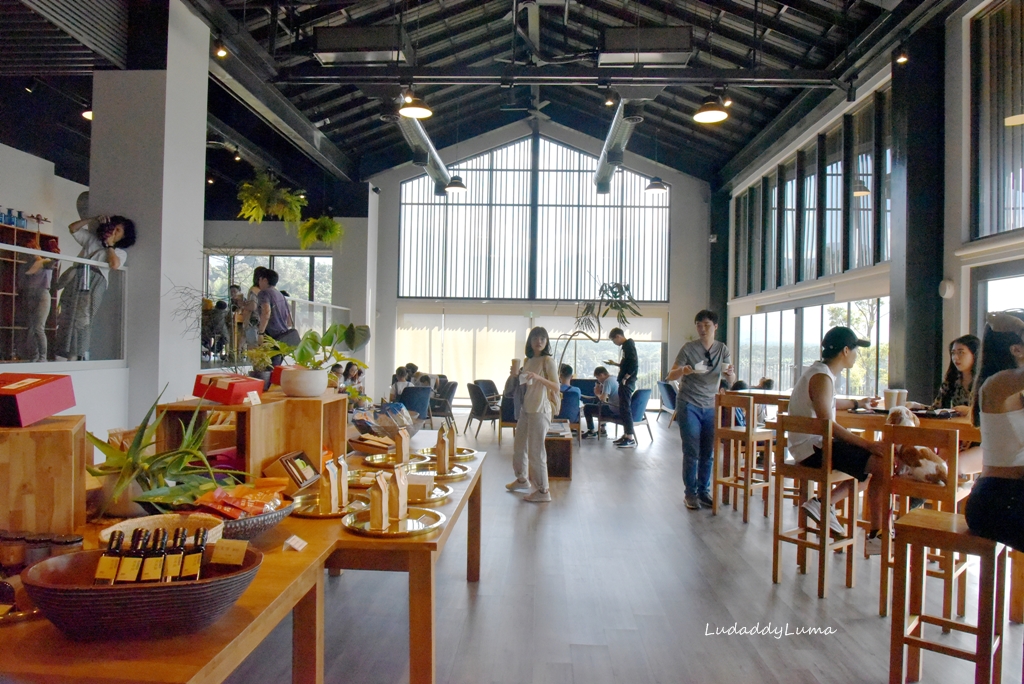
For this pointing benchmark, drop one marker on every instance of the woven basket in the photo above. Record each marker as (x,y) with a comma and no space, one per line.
(254,526)
(61,587)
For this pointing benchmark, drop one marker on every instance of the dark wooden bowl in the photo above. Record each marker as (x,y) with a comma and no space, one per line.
(254,526)
(61,587)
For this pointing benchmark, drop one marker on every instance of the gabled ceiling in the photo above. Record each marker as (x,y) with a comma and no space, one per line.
(832,37)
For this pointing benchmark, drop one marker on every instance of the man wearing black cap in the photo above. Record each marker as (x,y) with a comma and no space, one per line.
(814,397)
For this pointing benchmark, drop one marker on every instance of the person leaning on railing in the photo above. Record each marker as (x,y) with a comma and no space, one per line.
(104,239)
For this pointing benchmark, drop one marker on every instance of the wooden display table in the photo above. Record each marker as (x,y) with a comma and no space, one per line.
(277,426)
(42,475)
(288,581)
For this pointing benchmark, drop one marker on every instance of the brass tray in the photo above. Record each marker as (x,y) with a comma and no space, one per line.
(390,460)
(457,472)
(420,521)
(436,495)
(461,453)
(308,506)
(355,476)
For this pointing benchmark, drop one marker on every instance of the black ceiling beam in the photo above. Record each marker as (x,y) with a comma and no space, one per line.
(826,15)
(792,31)
(559,75)
(245,73)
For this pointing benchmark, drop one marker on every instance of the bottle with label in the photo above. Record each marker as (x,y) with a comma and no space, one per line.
(153,562)
(131,560)
(192,563)
(106,571)
(175,554)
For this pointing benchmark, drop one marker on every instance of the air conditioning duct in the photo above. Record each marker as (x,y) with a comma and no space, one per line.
(627,116)
(363,45)
(423,151)
(664,45)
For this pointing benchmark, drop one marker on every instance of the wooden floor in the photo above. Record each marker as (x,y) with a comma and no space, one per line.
(614,581)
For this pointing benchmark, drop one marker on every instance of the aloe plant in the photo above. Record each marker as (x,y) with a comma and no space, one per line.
(156,473)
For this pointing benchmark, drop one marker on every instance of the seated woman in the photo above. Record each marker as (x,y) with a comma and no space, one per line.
(956,392)
(995,508)
(401,382)
(350,378)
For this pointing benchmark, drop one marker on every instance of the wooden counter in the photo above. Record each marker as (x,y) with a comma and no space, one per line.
(288,581)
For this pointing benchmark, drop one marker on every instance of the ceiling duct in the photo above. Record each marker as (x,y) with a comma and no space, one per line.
(627,115)
(665,45)
(363,45)
(423,151)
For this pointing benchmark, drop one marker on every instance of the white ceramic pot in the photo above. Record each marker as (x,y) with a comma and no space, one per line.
(124,507)
(302,382)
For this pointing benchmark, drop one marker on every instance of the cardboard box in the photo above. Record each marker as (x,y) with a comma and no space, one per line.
(300,470)
(226,388)
(27,398)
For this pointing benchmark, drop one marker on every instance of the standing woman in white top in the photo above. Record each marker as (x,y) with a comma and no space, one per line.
(103,239)
(995,508)
(543,396)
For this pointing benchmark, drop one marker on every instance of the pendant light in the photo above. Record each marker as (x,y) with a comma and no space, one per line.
(860,189)
(413,107)
(656,186)
(455,185)
(711,111)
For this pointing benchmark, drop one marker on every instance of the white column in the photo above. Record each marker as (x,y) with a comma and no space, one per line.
(148,159)
(354,278)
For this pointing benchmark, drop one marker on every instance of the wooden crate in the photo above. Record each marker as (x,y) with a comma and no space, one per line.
(42,475)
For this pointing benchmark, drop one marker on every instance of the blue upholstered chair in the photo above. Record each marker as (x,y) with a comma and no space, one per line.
(570,409)
(638,404)
(668,400)
(418,399)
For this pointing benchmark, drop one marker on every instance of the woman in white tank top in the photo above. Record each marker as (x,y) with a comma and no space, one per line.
(995,508)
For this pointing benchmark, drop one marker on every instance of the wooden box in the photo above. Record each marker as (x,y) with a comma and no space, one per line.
(42,475)
(559,451)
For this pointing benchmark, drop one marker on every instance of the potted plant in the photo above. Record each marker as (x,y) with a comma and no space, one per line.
(262,196)
(611,298)
(323,229)
(316,353)
(262,360)
(132,474)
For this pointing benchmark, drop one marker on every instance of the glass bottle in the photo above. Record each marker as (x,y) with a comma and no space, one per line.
(153,562)
(192,563)
(106,570)
(131,560)
(175,554)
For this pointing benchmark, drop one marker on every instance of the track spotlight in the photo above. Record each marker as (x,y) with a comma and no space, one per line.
(219,49)
(87,114)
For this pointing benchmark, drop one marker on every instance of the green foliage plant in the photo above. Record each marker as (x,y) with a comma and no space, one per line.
(323,229)
(261,357)
(611,298)
(263,196)
(317,351)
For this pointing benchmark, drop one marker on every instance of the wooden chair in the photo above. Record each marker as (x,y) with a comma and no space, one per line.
(952,569)
(915,532)
(741,454)
(767,447)
(825,479)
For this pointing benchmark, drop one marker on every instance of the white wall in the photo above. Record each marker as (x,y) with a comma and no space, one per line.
(269,236)
(27,183)
(101,394)
(689,226)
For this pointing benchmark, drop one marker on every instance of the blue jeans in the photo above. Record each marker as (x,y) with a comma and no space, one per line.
(697,429)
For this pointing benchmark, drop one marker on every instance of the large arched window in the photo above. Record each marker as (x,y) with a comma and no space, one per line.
(480,244)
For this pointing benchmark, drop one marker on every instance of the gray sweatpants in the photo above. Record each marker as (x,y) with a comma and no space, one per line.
(531,430)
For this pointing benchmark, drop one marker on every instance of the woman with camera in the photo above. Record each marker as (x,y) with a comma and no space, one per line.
(105,239)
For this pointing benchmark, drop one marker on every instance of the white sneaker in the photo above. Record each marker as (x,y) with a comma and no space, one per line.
(518,485)
(834,524)
(60,358)
(873,546)
(538,496)
(813,509)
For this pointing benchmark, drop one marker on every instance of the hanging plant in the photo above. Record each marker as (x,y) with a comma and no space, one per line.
(323,229)
(262,196)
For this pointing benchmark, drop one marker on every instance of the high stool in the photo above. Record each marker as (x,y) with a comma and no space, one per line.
(766,447)
(915,532)
(741,452)
(943,497)
(825,479)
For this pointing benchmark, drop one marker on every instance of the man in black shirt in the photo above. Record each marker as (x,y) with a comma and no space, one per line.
(628,367)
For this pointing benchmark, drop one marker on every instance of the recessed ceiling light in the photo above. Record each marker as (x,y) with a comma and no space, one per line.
(238,157)
(219,49)
(209,181)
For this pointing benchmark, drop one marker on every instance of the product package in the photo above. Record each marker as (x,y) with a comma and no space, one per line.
(380,504)
(398,498)
(441,451)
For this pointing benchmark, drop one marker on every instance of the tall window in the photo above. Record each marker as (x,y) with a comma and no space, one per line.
(833,249)
(810,246)
(863,176)
(788,275)
(302,277)
(885,201)
(477,245)
(742,252)
(998,103)
(770,218)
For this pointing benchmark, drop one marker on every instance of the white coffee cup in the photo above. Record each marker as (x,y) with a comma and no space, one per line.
(892,399)
(902,398)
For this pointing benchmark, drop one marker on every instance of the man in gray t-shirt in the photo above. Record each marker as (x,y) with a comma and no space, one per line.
(700,366)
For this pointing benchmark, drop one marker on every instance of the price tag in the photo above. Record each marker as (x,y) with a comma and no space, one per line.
(253,398)
(294,542)
(229,551)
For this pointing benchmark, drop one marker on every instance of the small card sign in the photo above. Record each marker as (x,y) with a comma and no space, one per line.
(253,398)
(293,542)
(229,551)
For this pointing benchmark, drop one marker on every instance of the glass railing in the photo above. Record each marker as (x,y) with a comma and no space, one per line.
(226,333)
(55,307)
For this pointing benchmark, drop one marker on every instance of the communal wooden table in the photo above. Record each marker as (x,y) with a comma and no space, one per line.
(287,581)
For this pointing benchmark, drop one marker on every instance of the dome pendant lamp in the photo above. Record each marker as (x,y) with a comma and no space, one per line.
(711,111)
(413,107)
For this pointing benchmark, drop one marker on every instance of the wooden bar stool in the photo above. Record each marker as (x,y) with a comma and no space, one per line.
(942,497)
(741,453)
(915,532)
(766,448)
(825,479)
